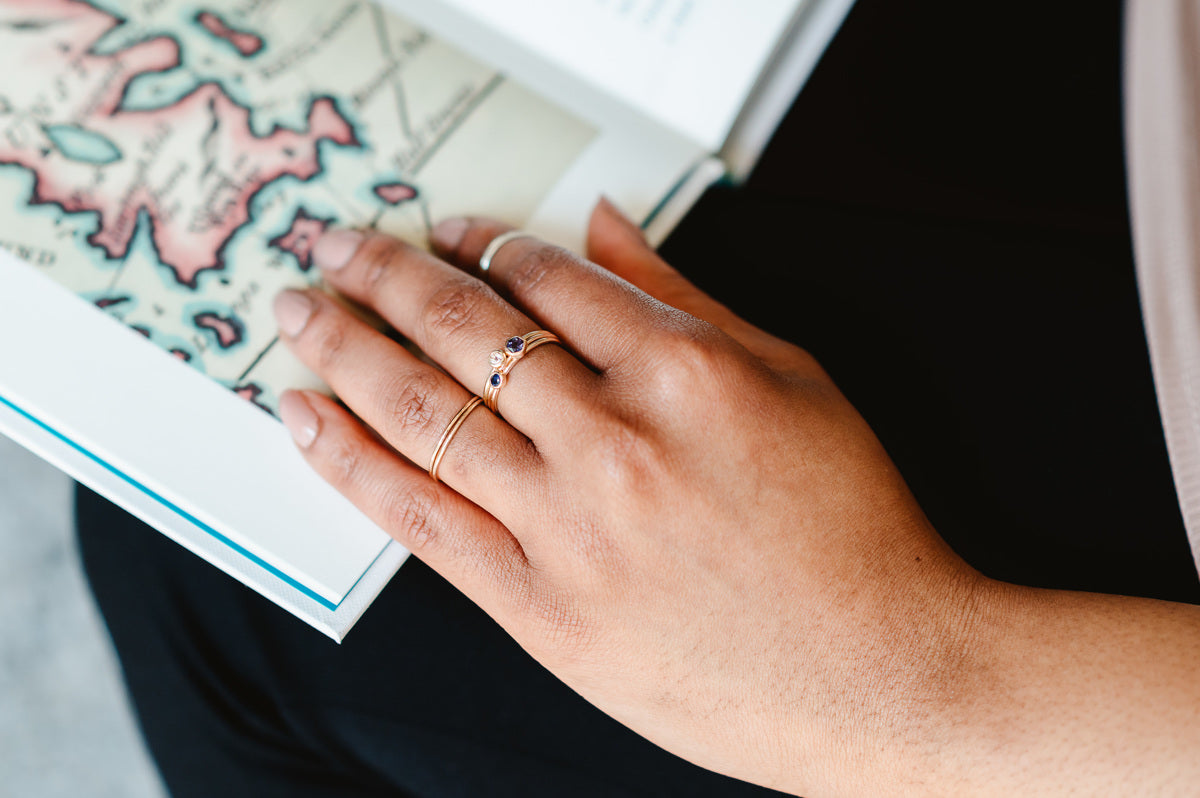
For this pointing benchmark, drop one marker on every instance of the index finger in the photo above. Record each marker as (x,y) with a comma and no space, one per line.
(602,315)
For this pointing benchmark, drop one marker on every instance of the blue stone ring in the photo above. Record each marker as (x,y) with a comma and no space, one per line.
(503,360)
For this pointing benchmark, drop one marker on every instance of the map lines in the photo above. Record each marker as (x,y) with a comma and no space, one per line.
(175,165)
(385,45)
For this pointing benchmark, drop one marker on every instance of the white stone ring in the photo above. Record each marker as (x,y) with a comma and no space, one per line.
(485,260)
(503,360)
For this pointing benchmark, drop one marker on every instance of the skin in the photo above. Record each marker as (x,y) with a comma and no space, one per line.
(682,518)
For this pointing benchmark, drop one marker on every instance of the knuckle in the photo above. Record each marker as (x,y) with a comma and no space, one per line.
(475,453)
(535,266)
(454,307)
(626,458)
(694,344)
(689,360)
(413,517)
(409,402)
(343,459)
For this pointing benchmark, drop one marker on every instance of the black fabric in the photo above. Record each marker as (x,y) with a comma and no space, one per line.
(942,221)
(427,696)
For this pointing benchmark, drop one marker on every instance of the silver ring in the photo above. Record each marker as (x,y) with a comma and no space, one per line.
(485,260)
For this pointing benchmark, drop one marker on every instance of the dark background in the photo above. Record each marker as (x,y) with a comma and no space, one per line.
(942,221)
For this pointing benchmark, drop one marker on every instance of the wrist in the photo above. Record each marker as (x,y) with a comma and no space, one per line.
(923,682)
(908,651)
(952,674)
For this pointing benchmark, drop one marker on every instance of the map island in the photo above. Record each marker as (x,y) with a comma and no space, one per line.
(247,44)
(175,167)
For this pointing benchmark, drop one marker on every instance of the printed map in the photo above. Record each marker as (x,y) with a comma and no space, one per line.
(174,162)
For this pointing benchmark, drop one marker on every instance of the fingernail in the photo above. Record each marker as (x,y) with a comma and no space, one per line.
(299,418)
(292,311)
(448,234)
(335,249)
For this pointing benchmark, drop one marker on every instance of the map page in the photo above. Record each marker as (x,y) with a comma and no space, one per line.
(174,162)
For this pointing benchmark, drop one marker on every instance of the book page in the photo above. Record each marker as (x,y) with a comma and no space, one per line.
(174,164)
(689,64)
(781,83)
(165,168)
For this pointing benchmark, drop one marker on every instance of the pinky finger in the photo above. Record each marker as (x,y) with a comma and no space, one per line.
(455,537)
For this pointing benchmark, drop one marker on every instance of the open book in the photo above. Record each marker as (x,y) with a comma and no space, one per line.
(166,166)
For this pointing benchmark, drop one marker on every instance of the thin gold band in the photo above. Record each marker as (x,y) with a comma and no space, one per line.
(503,361)
(448,435)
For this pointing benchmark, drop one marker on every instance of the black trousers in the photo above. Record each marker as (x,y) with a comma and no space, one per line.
(942,221)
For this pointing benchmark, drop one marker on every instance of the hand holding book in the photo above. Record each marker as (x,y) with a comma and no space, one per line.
(674,512)
(168,168)
(683,519)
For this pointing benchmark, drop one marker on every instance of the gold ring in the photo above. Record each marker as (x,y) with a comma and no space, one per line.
(448,435)
(503,360)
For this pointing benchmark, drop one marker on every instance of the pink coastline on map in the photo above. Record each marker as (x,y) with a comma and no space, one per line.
(395,193)
(229,331)
(178,187)
(194,215)
(248,44)
(301,237)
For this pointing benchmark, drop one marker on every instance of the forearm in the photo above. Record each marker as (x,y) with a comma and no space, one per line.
(1065,692)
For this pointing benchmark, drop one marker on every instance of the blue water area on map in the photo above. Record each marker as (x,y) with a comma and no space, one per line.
(81,144)
(151,91)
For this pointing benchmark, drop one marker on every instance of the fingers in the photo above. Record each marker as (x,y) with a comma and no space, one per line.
(447,531)
(597,305)
(408,402)
(458,321)
(602,316)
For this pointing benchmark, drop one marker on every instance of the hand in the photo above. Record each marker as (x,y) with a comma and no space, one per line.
(683,519)
(679,515)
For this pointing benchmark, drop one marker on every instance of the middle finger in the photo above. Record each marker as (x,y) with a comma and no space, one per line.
(406,401)
(458,321)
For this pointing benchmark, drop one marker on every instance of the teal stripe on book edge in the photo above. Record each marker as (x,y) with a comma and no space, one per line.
(173,508)
(662,203)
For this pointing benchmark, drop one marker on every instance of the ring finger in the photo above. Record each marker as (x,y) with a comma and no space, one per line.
(458,321)
(409,403)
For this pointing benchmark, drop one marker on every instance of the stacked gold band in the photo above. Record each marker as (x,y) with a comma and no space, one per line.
(503,360)
(448,435)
